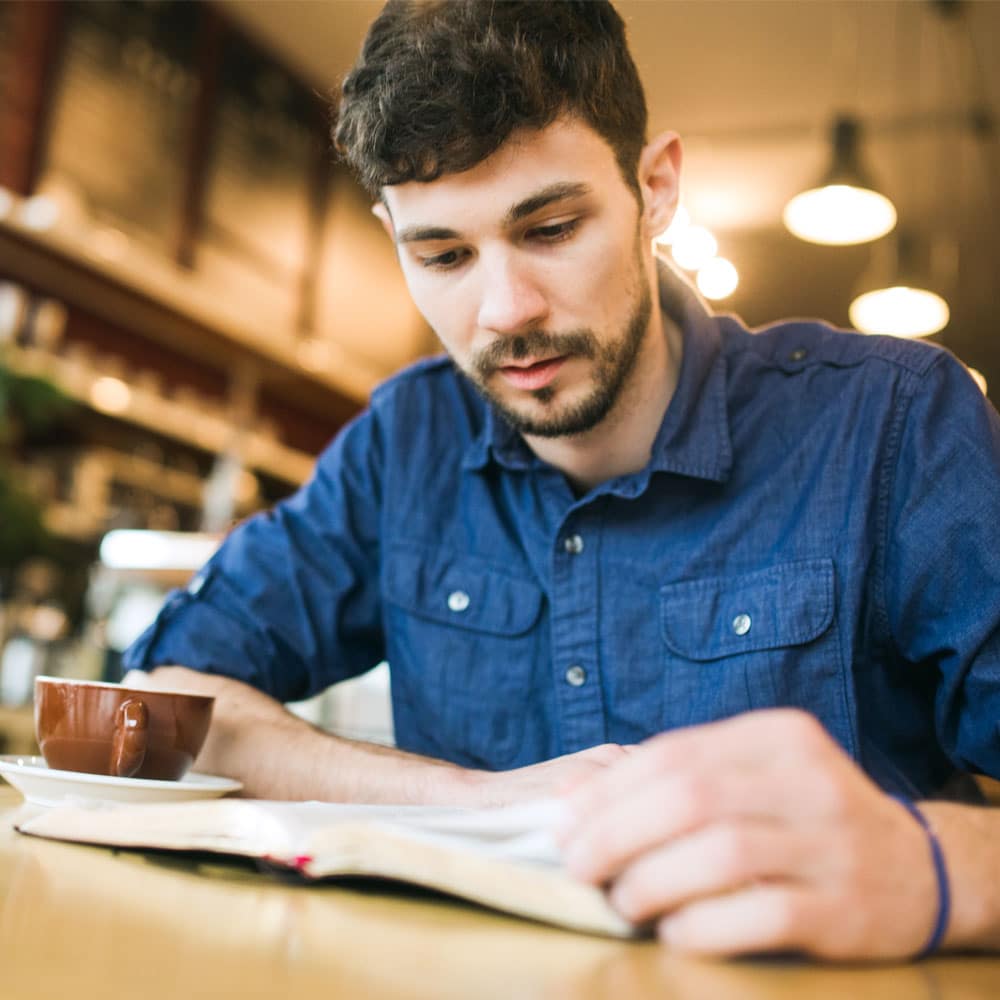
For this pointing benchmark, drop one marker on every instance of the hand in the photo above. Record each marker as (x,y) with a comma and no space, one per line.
(751,835)
(548,779)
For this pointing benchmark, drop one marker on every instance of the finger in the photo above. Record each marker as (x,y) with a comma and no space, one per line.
(597,847)
(757,743)
(760,918)
(751,740)
(712,862)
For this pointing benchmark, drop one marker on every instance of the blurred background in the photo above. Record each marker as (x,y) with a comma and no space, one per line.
(194,296)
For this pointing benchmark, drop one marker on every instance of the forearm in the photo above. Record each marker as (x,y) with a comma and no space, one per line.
(970,841)
(277,755)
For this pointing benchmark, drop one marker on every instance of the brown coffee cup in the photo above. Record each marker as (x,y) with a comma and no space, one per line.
(118,731)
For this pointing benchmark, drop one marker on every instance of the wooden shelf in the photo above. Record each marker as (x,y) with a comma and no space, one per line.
(159,301)
(207,431)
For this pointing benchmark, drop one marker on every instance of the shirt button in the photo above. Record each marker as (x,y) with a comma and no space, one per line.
(797,355)
(458,600)
(573,544)
(741,624)
(576,675)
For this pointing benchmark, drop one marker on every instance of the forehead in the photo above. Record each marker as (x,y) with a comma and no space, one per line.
(565,152)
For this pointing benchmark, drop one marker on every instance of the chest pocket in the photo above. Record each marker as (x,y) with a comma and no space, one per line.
(463,646)
(755,640)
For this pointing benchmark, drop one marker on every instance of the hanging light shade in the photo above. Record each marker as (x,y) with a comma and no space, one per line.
(900,311)
(900,301)
(844,208)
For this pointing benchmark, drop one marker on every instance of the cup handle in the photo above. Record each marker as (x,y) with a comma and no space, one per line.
(128,745)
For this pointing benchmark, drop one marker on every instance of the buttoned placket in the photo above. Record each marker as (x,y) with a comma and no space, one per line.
(575,629)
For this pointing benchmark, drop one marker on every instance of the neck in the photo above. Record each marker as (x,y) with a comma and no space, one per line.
(623,441)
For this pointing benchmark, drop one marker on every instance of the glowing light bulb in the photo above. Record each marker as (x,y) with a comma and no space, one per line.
(900,312)
(110,395)
(694,247)
(839,215)
(718,278)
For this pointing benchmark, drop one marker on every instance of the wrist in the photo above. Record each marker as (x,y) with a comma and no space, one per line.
(968,838)
(470,787)
(942,895)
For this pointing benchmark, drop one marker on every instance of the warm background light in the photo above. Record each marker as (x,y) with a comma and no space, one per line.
(694,247)
(110,395)
(900,311)
(718,278)
(839,215)
(979,378)
(131,549)
(680,222)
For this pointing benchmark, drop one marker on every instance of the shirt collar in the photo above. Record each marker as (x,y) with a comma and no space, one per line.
(693,439)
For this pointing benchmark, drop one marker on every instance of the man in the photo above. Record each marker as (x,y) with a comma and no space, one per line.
(608,515)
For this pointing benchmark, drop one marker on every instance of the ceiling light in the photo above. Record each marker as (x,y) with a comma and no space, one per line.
(900,311)
(718,278)
(694,247)
(844,208)
(896,295)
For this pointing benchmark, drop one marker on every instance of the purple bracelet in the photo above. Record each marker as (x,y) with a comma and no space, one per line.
(940,872)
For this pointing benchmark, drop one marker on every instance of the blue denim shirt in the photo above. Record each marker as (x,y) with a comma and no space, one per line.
(816,527)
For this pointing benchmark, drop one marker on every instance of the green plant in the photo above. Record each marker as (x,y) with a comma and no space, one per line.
(28,405)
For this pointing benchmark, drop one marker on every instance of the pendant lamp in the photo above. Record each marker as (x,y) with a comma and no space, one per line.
(844,208)
(898,296)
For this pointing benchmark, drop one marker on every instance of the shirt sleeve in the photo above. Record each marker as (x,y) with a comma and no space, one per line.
(942,558)
(290,601)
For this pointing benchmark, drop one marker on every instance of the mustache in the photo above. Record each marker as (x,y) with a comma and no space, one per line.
(578,343)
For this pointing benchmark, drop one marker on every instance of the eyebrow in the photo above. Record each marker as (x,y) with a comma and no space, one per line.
(560,191)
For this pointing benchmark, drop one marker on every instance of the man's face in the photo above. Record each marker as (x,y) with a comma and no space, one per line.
(530,269)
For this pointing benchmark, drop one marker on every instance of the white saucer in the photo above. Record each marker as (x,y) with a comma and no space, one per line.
(39,784)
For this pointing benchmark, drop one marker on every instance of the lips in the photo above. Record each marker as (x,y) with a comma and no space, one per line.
(533,376)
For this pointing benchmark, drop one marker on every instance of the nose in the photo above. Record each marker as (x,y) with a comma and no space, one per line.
(512,300)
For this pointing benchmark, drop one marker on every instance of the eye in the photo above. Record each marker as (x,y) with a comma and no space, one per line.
(446,261)
(554,233)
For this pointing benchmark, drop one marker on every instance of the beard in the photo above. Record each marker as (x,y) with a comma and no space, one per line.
(613,363)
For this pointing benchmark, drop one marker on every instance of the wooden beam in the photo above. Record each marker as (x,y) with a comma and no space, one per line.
(36,33)
(211,30)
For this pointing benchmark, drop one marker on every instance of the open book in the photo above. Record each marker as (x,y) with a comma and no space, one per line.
(503,858)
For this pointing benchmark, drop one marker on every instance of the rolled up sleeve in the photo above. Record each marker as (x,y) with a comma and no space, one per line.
(290,602)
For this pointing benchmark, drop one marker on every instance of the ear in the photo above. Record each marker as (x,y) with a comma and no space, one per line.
(381,212)
(659,181)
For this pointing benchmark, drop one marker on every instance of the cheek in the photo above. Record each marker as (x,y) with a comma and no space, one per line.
(448,314)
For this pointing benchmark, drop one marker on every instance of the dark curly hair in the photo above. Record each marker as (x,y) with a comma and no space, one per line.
(441,84)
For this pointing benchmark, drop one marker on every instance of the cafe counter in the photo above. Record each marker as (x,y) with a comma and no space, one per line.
(88,922)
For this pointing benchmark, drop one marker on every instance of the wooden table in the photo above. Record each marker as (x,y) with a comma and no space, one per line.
(78,923)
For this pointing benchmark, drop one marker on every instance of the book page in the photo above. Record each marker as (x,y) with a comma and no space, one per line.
(521,832)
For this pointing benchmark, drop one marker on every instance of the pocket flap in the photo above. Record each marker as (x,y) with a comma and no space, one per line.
(460,591)
(784,605)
